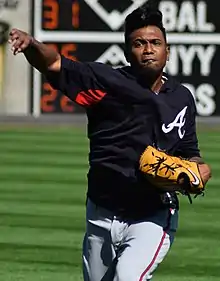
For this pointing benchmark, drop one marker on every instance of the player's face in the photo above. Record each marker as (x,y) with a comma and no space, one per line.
(147,50)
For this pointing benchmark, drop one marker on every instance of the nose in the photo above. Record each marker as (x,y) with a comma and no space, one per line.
(148,48)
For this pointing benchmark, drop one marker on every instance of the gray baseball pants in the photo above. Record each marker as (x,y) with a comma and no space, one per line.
(118,250)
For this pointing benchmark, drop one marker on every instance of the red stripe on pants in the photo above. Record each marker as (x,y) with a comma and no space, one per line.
(154,258)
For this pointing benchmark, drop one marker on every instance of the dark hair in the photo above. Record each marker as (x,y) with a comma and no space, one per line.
(144,16)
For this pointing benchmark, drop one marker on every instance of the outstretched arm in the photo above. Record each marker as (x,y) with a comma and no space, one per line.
(39,55)
(81,82)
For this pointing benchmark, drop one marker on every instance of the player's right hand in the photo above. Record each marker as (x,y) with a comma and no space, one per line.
(19,40)
(205,172)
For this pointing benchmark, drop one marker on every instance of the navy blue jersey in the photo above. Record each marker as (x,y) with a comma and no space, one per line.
(123,118)
(177,131)
(121,114)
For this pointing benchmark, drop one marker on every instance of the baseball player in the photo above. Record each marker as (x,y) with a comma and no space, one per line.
(132,207)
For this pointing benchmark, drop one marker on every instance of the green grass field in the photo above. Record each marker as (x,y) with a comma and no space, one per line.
(42,206)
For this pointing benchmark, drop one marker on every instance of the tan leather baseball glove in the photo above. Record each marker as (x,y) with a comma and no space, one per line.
(173,173)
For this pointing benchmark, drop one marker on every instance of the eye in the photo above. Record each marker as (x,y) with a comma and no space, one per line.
(157,42)
(137,44)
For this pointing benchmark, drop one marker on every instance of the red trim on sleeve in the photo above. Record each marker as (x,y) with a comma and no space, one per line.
(90,97)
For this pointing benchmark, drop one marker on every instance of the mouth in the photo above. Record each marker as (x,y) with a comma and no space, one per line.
(148,61)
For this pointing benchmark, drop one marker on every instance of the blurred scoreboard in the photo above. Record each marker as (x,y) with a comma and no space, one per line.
(92,30)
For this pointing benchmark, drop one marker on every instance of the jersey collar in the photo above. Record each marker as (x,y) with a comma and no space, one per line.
(169,83)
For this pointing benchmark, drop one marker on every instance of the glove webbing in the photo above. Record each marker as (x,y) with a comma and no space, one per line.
(156,166)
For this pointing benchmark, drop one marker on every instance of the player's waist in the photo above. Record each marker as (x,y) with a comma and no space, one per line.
(127,206)
(125,192)
(120,191)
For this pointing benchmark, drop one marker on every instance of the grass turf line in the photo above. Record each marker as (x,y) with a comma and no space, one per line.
(42,209)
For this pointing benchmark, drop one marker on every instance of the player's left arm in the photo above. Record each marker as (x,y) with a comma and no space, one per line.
(189,146)
(185,171)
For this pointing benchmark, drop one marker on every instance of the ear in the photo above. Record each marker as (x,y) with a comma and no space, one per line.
(168,52)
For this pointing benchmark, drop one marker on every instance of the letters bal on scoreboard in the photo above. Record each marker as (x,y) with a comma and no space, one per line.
(193,61)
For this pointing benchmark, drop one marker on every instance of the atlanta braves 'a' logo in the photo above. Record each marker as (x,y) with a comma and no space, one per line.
(113,19)
(178,122)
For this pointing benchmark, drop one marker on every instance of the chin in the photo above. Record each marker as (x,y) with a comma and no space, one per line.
(150,71)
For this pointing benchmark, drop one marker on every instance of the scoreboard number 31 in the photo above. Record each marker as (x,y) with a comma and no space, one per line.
(52,13)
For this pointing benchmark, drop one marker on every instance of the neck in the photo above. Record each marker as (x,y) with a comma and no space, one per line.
(152,82)
(157,84)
